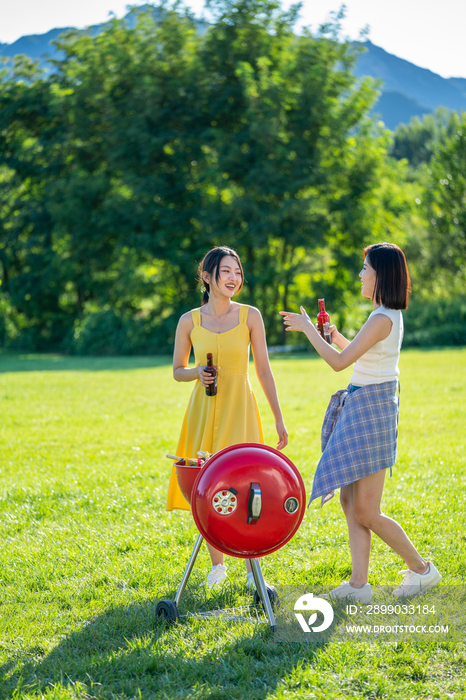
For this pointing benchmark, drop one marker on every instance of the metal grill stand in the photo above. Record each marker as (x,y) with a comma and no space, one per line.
(168,609)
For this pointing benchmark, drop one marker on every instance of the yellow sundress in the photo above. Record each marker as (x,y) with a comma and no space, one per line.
(232,416)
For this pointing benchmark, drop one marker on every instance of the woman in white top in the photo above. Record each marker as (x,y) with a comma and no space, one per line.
(360,428)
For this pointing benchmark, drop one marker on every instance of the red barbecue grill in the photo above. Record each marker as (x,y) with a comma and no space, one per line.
(247,500)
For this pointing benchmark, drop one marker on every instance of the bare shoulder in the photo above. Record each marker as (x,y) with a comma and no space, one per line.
(255,324)
(236,306)
(185,324)
(379,325)
(381,320)
(254,315)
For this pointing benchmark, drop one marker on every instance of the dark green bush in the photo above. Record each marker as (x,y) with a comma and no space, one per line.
(105,332)
(440,322)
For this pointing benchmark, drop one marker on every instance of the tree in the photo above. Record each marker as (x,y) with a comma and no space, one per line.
(90,146)
(147,145)
(445,202)
(417,140)
(281,112)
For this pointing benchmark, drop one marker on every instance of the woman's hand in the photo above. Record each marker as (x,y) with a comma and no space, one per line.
(296,322)
(334,333)
(338,339)
(282,434)
(206,378)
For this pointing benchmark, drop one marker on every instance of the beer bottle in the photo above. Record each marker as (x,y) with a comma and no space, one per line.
(211,390)
(323,322)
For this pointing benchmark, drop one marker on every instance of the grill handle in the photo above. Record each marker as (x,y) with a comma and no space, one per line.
(254,503)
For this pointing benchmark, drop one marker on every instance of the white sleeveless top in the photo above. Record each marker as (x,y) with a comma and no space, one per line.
(380,363)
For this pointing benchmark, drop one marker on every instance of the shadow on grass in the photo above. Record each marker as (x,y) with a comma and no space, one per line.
(125,653)
(38,362)
(432,348)
(49,362)
(309,354)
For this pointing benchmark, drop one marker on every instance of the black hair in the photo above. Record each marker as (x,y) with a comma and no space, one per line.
(392,281)
(211,263)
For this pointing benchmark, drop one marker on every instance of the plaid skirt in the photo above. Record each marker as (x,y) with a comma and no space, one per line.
(359,436)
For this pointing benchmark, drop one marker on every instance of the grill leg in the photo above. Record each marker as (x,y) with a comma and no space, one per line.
(188,569)
(262,591)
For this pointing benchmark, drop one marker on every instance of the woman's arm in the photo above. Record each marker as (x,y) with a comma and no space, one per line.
(181,371)
(264,372)
(339,339)
(375,329)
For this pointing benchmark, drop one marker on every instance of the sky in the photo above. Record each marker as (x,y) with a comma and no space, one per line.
(429,33)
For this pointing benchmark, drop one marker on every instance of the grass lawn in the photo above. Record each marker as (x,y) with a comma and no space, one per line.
(87,546)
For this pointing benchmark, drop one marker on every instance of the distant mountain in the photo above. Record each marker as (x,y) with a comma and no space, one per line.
(395,108)
(39,46)
(407,89)
(33,45)
(460,83)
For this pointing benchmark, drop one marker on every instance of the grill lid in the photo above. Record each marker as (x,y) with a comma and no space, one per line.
(248,500)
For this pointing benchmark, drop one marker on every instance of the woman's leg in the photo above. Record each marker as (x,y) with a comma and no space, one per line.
(366,498)
(359,539)
(215,555)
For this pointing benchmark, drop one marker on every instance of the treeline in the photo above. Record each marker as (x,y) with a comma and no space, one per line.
(146,146)
(435,151)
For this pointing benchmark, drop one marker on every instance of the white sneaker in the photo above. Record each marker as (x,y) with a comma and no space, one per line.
(414,584)
(345,590)
(217,575)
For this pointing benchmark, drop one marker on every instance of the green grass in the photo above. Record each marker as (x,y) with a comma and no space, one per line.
(87,546)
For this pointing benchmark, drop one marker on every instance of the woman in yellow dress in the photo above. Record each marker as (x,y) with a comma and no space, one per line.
(226,329)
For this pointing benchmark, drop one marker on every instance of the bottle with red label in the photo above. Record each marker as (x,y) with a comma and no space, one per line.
(323,322)
(211,390)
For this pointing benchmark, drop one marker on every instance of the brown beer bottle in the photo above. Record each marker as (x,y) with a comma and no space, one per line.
(211,390)
(323,322)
